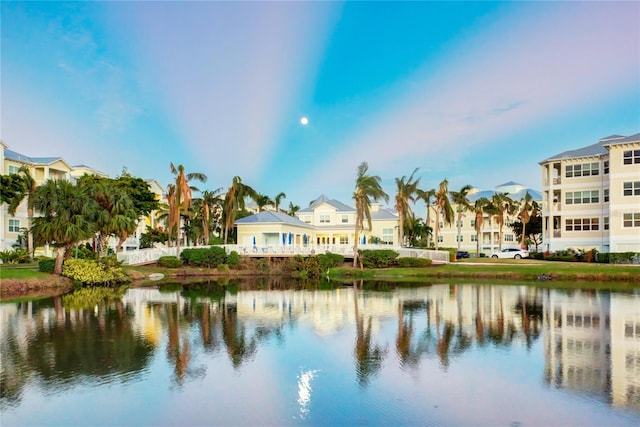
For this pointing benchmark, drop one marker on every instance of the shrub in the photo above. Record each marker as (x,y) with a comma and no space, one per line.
(413,262)
(233,258)
(90,272)
(378,258)
(329,260)
(47,265)
(262,265)
(18,256)
(170,262)
(204,257)
(223,268)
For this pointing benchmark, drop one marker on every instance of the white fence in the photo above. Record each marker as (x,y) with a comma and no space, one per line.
(146,256)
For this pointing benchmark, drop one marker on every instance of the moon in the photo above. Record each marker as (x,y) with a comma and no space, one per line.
(304,121)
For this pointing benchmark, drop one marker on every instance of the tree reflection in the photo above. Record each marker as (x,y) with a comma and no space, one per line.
(368,357)
(239,347)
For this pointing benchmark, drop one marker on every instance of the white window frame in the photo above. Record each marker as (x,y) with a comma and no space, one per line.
(14,226)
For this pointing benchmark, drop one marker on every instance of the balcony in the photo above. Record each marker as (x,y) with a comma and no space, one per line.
(557,181)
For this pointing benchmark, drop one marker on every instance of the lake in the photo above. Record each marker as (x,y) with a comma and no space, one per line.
(284,352)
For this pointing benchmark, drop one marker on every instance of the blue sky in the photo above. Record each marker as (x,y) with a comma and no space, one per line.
(477,92)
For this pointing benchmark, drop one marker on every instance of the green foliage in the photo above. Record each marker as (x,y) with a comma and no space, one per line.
(452,253)
(233,258)
(82,252)
(223,268)
(215,240)
(11,186)
(152,236)
(621,257)
(204,257)
(144,200)
(46,265)
(382,258)
(89,297)
(413,262)
(170,261)
(90,272)
(262,265)
(18,256)
(329,260)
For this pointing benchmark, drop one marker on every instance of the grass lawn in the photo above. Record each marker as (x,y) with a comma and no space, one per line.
(22,271)
(484,268)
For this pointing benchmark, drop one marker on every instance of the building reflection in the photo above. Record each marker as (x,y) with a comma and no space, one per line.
(590,340)
(592,345)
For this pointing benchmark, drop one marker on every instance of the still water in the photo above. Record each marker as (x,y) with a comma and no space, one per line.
(280,353)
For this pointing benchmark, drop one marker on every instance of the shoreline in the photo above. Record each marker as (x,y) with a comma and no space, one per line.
(536,274)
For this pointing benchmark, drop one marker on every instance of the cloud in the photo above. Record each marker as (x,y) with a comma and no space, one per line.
(538,61)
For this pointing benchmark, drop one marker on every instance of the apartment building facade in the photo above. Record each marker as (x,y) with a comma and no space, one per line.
(592,197)
(42,169)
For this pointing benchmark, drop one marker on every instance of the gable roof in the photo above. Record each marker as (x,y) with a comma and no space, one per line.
(339,206)
(270,217)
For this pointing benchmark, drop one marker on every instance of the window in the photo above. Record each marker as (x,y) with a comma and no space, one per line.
(307,220)
(460,238)
(631,219)
(474,238)
(508,238)
(582,224)
(387,235)
(606,167)
(606,195)
(344,240)
(14,226)
(441,224)
(631,188)
(583,169)
(582,197)
(324,219)
(473,223)
(345,219)
(459,224)
(631,157)
(13,169)
(605,222)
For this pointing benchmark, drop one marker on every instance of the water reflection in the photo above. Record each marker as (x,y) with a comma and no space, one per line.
(590,340)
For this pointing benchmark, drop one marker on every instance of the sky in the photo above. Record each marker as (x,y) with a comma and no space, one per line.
(474,92)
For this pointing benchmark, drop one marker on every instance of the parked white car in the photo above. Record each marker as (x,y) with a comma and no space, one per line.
(511,253)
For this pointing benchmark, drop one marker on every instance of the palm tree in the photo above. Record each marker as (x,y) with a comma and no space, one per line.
(479,207)
(427,196)
(234,201)
(183,194)
(114,214)
(262,200)
(293,209)
(209,201)
(502,204)
(406,190)
(459,198)
(367,187)
(443,207)
(277,200)
(528,209)
(27,189)
(66,211)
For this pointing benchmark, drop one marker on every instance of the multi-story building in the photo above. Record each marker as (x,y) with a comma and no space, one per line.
(43,169)
(466,238)
(592,197)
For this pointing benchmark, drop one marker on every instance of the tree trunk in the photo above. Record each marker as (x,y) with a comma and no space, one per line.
(121,239)
(437,227)
(59,259)
(30,235)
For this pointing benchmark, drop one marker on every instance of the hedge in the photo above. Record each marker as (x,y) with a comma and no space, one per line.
(170,262)
(406,262)
(382,258)
(47,265)
(204,257)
